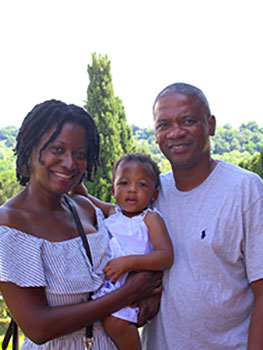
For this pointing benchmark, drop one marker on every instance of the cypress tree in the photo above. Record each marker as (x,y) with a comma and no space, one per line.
(109,115)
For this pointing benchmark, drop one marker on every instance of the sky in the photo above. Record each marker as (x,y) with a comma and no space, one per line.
(215,45)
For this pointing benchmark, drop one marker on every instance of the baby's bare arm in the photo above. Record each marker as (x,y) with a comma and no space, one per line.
(157,260)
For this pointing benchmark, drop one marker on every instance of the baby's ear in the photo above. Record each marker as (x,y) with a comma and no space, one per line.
(155,194)
(112,189)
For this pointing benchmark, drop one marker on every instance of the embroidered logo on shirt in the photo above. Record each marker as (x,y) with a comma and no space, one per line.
(203,234)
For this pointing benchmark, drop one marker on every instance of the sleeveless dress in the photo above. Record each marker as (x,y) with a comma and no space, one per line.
(63,269)
(128,236)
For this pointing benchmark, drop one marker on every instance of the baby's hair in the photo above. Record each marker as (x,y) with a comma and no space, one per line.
(41,119)
(184,89)
(138,157)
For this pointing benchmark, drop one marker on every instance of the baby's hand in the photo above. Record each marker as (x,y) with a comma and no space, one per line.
(116,267)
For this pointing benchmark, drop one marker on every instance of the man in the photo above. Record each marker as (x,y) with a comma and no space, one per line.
(213,294)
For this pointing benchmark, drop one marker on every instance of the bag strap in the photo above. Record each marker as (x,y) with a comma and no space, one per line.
(89,331)
(79,226)
(12,330)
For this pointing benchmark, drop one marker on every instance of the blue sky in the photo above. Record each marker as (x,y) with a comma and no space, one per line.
(215,45)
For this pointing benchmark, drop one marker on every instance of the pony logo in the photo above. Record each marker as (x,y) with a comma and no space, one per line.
(203,234)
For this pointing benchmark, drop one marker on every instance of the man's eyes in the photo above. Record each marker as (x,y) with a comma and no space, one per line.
(189,122)
(161,126)
(184,122)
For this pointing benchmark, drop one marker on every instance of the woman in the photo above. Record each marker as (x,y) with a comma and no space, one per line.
(46,276)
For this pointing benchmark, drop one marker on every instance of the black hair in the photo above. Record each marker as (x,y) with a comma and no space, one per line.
(184,89)
(41,119)
(138,157)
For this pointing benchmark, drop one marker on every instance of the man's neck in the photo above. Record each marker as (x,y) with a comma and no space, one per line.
(187,179)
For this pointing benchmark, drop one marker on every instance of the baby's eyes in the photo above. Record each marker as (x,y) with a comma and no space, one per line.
(123,183)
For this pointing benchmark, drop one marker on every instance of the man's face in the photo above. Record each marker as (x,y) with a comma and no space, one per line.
(182,129)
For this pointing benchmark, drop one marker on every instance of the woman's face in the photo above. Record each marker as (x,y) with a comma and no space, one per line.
(63,161)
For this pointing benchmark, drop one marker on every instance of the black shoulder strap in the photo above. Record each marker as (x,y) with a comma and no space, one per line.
(12,330)
(79,226)
(89,328)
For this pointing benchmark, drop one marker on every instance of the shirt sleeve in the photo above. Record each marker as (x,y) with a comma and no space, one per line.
(253,228)
(20,258)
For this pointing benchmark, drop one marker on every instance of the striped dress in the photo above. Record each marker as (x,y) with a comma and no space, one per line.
(63,269)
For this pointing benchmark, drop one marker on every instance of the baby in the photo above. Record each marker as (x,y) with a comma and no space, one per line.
(138,238)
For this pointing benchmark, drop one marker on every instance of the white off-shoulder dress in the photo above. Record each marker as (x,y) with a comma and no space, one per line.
(65,272)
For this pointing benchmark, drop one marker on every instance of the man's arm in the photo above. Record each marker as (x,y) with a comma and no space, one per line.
(255,333)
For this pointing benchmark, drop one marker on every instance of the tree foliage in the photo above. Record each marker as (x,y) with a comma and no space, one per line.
(8,183)
(229,144)
(8,136)
(9,186)
(247,138)
(109,115)
(255,163)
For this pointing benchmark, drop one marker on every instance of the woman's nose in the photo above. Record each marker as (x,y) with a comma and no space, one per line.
(68,161)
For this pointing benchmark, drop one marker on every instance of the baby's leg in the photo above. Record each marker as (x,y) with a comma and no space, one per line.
(124,334)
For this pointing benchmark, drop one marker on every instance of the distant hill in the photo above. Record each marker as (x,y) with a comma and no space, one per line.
(234,145)
(8,136)
(230,144)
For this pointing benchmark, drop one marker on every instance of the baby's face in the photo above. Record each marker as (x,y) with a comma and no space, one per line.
(134,187)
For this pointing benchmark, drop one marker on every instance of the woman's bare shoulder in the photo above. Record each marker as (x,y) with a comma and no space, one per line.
(82,201)
(12,211)
(83,204)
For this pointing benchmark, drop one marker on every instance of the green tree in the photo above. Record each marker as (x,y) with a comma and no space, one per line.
(234,157)
(229,144)
(109,115)
(259,165)
(8,136)
(9,186)
(255,163)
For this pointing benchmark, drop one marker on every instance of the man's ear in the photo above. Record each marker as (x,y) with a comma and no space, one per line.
(155,194)
(211,125)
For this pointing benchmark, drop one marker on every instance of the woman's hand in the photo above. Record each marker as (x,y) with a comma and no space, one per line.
(149,288)
(143,284)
